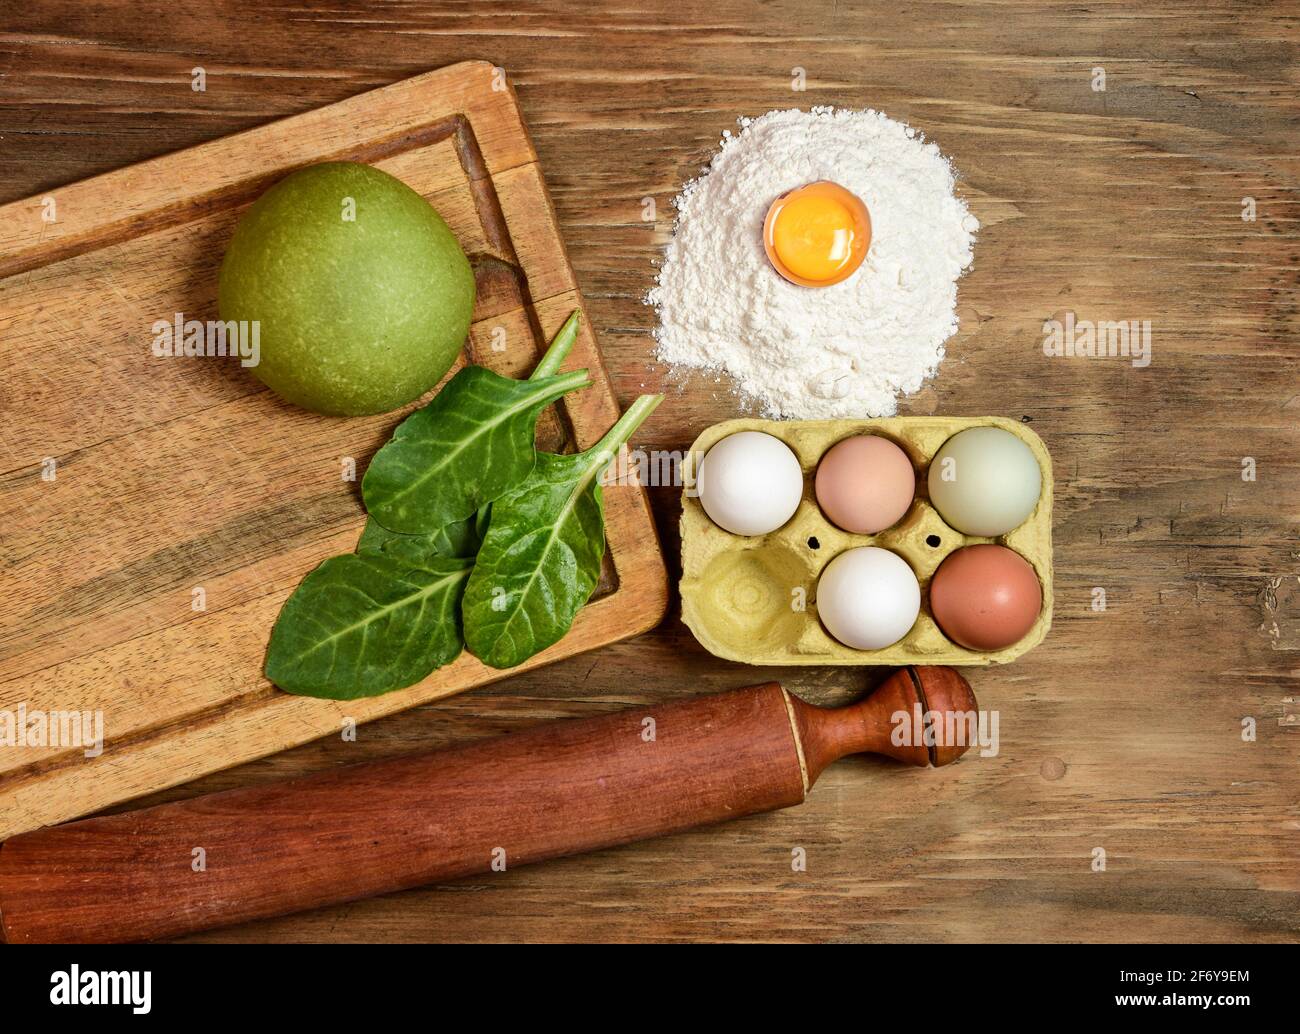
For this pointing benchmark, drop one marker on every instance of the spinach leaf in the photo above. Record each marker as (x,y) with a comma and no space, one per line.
(364,624)
(540,559)
(384,617)
(375,537)
(466,447)
(472,442)
(458,539)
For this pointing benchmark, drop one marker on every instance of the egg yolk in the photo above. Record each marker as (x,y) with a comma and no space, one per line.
(817,234)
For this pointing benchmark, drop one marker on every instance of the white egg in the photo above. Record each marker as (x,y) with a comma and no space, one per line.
(868,598)
(750,483)
(985,481)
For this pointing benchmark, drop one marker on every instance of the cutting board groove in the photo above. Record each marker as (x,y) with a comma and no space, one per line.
(173,475)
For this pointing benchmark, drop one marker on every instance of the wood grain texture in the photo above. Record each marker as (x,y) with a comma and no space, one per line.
(1123,730)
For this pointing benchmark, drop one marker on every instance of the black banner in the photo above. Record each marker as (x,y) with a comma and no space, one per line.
(143,983)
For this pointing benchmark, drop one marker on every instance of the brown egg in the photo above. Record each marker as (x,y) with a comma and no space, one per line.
(865,484)
(985,597)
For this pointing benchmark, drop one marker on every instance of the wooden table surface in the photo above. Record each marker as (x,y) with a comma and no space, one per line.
(1146,782)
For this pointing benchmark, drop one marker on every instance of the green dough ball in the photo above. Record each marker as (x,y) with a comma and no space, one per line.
(362,294)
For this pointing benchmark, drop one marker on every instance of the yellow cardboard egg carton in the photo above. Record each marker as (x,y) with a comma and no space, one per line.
(754,598)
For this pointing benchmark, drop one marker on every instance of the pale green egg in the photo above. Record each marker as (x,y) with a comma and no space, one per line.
(985,481)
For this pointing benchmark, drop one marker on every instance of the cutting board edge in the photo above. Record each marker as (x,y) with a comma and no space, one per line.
(19,253)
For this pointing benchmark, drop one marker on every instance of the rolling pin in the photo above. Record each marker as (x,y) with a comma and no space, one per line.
(556,789)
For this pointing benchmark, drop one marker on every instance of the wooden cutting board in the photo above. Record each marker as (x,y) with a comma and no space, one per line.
(158,511)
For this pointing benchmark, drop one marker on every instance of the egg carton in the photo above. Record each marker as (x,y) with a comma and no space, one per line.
(754,598)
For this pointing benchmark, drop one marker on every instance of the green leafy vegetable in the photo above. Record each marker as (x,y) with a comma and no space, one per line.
(364,624)
(471,443)
(540,559)
(462,538)
(459,539)
(375,539)
(384,617)
(466,447)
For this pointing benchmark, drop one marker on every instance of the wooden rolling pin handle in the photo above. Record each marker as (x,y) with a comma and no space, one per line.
(870,726)
(559,788)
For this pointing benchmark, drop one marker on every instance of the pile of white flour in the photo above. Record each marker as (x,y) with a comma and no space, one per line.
(846,350)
